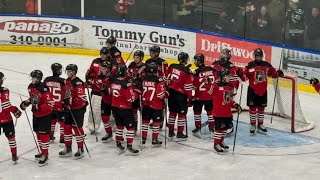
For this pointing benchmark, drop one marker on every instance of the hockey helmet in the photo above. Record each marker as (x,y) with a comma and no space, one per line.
(225,54)
(154,49)
(152,67)
(199,58)
(36,74)
(72,67)
(258,52)
(223,72)
(139,53)
(1,78)
(104,50)
(111,40)
(56,68)
(183,57)
(122,70)
(106,64)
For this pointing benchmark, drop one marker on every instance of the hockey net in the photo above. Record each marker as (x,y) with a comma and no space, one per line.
(287,103)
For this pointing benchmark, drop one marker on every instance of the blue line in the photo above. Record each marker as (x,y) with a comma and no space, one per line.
(170,27)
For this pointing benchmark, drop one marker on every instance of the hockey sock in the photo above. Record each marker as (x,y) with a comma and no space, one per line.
(260,115)
(119,132)
(12,144)
(210,119)
(224,133)
(61,130)
(79,136)
(155,130)
(45,141)
(172,120)
(145,127)
(217,138)
(106,123)
(197,119)
(53,127)
(68,135)
(39,140)
(181,122)
(129,136)
(253,115)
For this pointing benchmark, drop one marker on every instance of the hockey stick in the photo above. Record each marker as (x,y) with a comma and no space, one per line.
(166,120)
(140,112)
(277,86)
(235,133)
(94,123)
(81,135)
(15,124)
(34,138)
(130,55)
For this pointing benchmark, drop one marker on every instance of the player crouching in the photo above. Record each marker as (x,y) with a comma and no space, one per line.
(75,102)
(122,98)
(152,102)
(223,102)
(6,122)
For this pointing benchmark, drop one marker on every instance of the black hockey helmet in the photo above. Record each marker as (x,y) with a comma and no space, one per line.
(104,50)
(106,64)
(122,70)
(152,67)
(139,53)
(223,72)
(111,40)
(199,58)
(36,74)
(154,49)
(1,75)
(226,54)
(258,52)
(183,57)
(56,68)
(72,67)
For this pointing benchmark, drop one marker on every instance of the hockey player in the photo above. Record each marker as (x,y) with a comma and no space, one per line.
(75,101)
(315,83)
(105,82)
(6,122)
(134,74)
(122,98)
(115,52)
(258,71)
(180,91)
(223,102)
(152,101)
(91,75)
(203,79)
(56,85)
(42,104)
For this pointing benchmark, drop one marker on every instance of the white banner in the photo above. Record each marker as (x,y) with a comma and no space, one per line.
(38,31)
(139,37)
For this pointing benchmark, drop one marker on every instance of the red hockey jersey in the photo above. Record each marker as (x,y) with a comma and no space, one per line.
(133,70)
(76,93)
(5,106)
(162,67)
(153,92)
(219,65)
(203,79)
(56,86)
(116,55)
(41,97)
(258,76)
(93,72)
(181,80)
(317,88)
(223,99)
(122,94)
(105,85)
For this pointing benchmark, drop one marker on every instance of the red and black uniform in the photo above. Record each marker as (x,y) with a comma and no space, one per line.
(93,73)
(203,79)
(122,98)
(56,86)
(223,102)
(42,105)
(180,90)
(225,64)
(154,93)
(317,88)
(116,55)
(105,85)
(6,122)
(76,101)
(258,74)
(162,67)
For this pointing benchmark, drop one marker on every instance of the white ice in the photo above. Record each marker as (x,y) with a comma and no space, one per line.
(175,162)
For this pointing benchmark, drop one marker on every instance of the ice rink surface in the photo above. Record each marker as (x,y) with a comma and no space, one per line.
(278,155)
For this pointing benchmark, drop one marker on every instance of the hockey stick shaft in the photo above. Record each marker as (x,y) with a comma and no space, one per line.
(91,110)
(81,135)
(140,112)
(237,122)
(130,54)
(166,121)
(34,138)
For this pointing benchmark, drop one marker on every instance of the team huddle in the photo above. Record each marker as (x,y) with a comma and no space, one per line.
(154,89)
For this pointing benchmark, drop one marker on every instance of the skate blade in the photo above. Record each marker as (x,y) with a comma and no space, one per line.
(219,153)
(156,145)
(15,162)
(261,132)
(226,150)
(180,139)
(41,165)
(121,152)
(132,154)
(197,135)
(79,157)
(106,141)
(65,156)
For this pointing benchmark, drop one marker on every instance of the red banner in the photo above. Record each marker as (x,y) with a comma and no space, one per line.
(242,51)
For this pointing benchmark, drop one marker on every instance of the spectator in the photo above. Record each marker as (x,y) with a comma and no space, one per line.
(243,20)
(313,29)
(262,25)
(223,24)
(276,13)
(296,19)
(186,12)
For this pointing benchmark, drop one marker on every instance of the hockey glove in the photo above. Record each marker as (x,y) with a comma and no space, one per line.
(280,73)
(35,108)
(237,107)
(314,81)
(24,104)
(17,113)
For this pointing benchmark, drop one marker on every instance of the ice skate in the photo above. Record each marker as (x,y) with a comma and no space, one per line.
(262,129)
(37,157)
(252,129)
(52,138)
(79,154)
(156,143)
(67,152)
(171,135)
(121,149)
(197,133)
(224,146)
(14,159)
(43,160)
(218,148)
(131,151)
(181,137)
(107,138)
(143,143)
